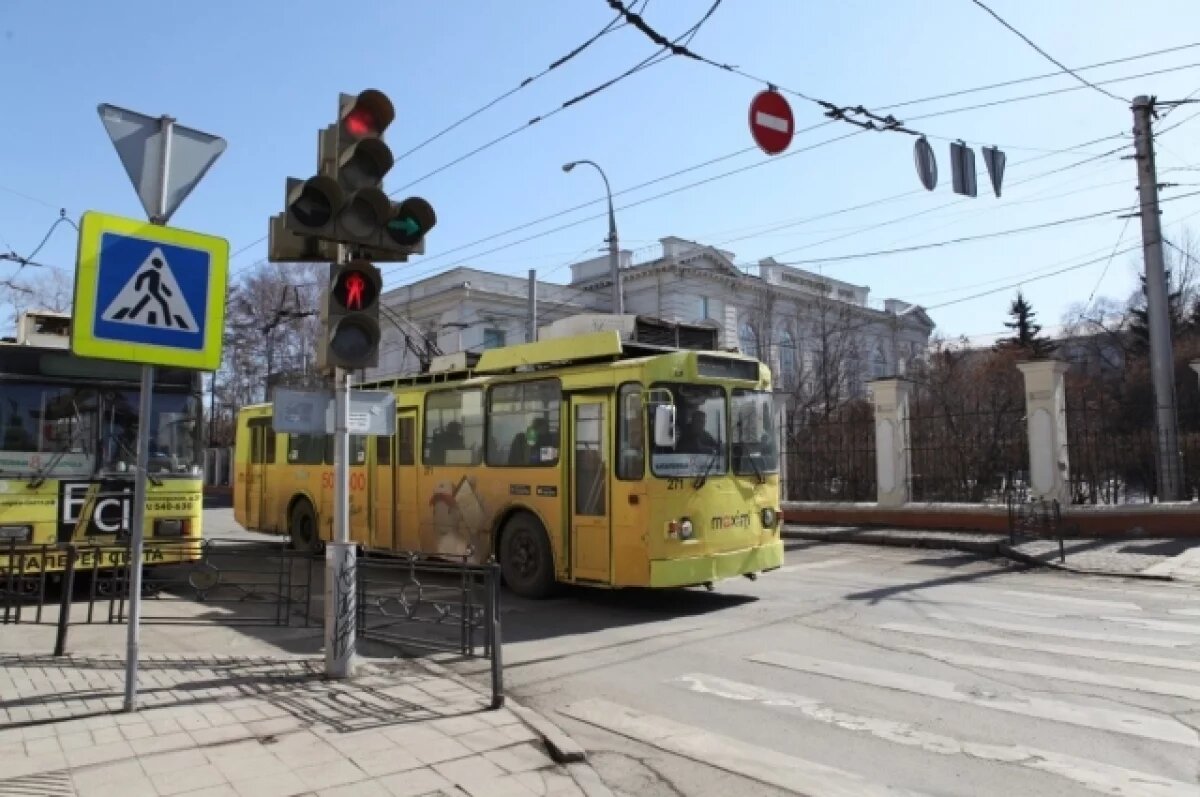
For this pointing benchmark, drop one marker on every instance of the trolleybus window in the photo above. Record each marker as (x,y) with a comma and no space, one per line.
(454,427)
(755,440)
(36,420)
(631,444)
(173,430)
(523,424)
(700,447)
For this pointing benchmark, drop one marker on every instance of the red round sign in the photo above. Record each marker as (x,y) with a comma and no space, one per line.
(771,122)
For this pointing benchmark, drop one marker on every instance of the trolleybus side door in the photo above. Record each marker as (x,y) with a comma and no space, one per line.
(590,510)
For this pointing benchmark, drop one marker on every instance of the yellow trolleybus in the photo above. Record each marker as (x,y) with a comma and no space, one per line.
(584,459)
(68,432)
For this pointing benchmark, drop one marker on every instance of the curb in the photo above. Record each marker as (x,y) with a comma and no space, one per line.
(561,747)
(1013,553)
(984,548)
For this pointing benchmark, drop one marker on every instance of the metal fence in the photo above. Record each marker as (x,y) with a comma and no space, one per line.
(414,601)
(832,457)
(442,604)
(1112,453)
(979,455)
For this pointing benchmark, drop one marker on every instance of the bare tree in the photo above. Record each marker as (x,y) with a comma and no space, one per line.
(271,328)
(37,288)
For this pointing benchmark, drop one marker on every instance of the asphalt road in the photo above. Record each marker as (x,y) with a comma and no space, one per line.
(859,670)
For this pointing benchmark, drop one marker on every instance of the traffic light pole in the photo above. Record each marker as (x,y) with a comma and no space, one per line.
(341,588)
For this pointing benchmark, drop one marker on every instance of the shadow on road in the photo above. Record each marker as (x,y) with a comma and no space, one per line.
(995,568)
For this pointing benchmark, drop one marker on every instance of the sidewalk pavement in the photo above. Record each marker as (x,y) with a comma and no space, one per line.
(1166,559)
(267,726)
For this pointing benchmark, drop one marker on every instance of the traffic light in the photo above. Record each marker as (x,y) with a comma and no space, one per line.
(350,316)
(344,203)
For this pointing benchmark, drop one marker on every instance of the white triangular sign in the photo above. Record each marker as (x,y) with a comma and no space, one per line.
(152,298)
(138,139)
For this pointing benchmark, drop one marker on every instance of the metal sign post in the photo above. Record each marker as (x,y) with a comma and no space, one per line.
(341,589)
(124,309)
(137,534)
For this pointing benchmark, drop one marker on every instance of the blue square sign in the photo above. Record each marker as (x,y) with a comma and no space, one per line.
(149,293)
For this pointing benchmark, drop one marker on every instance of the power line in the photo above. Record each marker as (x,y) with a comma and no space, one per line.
(645,63)
(1032,78)
(952,241)
(523,84)
(1045,54)
(1111,255)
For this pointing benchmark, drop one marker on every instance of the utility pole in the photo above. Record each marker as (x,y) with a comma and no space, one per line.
(531,336)
(1162,369)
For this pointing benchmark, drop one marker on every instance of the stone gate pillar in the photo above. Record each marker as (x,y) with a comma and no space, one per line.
(1046,425)
(893,459)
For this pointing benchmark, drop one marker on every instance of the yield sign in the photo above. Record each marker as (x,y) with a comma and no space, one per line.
(771,122)
(139,140)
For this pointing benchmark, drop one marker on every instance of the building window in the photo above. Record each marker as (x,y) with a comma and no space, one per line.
(493,338)
(748,340)
(879,365)
(788,356)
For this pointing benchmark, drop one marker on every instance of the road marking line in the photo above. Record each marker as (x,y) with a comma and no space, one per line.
(1093,775)
(725,752)
(1187,612)
(1094,636)
(1129,682)
(1157,625)
(1120,606)
(1131,723)
(1064,650)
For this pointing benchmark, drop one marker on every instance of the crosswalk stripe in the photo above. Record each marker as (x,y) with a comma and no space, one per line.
(1093,775)
(1064,650)
(1074,675)
(1121,606)
(1157,625)
(814,565)
(1186,612)
(1064,633)
(1127,722)
(724,752)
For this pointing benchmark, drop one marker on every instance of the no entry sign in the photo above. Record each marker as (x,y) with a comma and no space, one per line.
(771,122)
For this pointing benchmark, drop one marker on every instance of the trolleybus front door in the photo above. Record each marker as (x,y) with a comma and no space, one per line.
(591,523)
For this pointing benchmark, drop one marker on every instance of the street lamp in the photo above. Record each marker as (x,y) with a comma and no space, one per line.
(614,256)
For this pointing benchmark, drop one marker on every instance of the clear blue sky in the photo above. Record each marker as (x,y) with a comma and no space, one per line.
(265,75)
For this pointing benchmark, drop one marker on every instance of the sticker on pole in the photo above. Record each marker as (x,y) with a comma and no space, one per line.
(771,122)
(149,294)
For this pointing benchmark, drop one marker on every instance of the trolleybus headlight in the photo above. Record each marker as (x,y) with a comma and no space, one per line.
(16,533)
(685,529)
(769,517)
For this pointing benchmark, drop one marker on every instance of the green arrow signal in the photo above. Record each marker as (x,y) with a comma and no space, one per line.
(407,225)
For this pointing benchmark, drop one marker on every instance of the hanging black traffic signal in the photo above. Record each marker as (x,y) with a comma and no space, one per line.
(350,316)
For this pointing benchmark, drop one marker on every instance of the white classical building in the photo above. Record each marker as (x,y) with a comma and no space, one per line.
(822,337)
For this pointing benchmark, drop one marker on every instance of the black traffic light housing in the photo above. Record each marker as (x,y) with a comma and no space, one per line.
(344,203)
(350,316)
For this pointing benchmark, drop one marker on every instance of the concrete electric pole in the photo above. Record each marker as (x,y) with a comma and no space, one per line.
(1162,369)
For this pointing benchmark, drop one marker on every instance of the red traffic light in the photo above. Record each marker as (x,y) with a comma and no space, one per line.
(356,286)
(366,115)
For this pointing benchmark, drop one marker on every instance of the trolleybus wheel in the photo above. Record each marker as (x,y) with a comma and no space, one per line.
(302,527)
(525,559)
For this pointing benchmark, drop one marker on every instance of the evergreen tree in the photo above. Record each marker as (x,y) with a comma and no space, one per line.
(1139,318)
(1027,332)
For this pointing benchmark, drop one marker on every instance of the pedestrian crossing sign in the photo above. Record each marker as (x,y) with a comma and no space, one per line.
(149,294)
